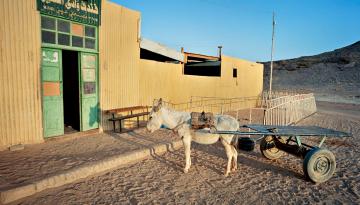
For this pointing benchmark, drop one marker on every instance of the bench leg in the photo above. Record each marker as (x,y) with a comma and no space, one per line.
(114,122)
(120,125)
(114,125)
(138,124)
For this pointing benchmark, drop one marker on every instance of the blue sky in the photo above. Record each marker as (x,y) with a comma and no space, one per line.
(243,28)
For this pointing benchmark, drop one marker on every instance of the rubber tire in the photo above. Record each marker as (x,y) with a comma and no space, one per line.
(246,144)
(272,153)
(310,161)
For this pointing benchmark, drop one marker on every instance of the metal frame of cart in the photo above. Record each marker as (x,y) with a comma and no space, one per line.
(319,163)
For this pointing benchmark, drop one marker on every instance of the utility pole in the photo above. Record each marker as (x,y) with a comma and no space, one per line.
(272,52)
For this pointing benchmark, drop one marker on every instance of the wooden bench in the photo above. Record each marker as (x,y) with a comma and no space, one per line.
(144,111)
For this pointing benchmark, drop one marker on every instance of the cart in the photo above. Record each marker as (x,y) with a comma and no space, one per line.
(319,163)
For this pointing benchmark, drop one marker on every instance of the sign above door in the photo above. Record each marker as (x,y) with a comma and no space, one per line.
(83,11)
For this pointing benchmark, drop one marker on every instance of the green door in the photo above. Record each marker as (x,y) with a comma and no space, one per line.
(52,97)
(89,91)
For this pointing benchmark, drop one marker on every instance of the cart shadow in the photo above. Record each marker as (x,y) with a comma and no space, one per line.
(252,159)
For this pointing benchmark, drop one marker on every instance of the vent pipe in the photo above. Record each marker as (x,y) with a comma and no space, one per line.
(220,47)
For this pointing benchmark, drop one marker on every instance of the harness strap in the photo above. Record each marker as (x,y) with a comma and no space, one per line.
(176,128)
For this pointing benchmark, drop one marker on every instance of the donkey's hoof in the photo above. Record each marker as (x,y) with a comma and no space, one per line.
(233,169)
(186,171)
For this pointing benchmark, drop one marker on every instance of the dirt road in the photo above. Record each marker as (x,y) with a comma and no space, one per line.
(257,181)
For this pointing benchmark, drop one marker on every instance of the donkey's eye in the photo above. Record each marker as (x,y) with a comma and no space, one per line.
(150,118)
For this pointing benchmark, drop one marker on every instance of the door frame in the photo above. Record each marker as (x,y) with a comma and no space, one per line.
(97,72)
(79,50)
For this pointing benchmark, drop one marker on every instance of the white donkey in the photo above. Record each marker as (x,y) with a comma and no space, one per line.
(179,122)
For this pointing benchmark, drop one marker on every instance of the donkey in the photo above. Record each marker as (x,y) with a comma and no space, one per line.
(179,122)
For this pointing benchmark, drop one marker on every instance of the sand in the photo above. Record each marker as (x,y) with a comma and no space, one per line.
(56,156)
(257,181)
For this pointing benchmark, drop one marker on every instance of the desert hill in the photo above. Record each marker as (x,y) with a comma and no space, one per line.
(333,76)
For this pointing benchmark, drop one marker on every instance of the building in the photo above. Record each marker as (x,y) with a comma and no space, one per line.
(67,61)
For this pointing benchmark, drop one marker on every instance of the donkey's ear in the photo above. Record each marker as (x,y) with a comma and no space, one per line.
(160,102)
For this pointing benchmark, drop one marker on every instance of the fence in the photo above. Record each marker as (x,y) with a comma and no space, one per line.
(282,108)
(216,105)
(288,110)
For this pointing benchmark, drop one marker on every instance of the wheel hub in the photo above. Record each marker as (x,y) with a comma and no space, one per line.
(322,165)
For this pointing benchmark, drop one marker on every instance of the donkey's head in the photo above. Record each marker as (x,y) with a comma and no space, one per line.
(155,118)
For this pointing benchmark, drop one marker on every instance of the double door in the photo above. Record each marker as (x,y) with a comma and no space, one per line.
(52,91)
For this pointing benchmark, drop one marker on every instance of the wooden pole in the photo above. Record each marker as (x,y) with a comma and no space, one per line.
(272,53)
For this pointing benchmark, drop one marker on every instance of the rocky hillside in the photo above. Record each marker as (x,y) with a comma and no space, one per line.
(334,74)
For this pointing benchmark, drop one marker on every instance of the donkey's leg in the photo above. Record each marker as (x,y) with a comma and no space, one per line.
(229,154)
(234,158)
(187,147)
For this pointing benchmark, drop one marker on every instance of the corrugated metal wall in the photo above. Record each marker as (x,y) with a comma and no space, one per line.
(20,99)
(167,81)
(249,81)
(119,58)
(158,80)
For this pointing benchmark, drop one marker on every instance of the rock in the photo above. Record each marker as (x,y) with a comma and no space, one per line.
(16,147)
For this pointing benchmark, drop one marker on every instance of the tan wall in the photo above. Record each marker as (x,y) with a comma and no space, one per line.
(167,81)
(158,80)
(249,81)
(119,58)
(20,99)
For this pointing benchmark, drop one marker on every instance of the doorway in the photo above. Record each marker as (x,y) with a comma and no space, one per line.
(71,95)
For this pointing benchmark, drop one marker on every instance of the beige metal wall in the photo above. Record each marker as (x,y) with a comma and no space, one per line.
(158,80)
(249,81)
(20,99)
(167,81)
(119,58)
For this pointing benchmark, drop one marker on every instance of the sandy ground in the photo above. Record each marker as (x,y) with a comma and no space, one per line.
(54,156)
(257,181)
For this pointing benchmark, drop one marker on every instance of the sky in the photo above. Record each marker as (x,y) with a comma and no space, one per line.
(244,28)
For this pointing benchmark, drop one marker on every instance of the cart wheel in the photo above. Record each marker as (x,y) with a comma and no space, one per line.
(319,165)
(268,148)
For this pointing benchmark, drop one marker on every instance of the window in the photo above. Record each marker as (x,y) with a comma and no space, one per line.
(48,37)
(63,26)
(65,33)
(77,41)
(47,23)
(63,39)
(89,87)
(90,43)
(209,68)
(90,31)
(234,72)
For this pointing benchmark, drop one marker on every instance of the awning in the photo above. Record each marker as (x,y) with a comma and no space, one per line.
(161,50)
